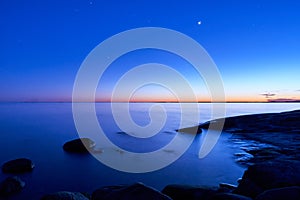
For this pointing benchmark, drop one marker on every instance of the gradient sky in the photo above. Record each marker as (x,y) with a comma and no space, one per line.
(255,44)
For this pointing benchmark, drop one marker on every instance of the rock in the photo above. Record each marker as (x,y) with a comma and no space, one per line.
(260,123)
(183,192)
(11,185)
(243,158)
(64,195)
(228,186)
(248,188)
(20,165)
(192,130)
(229,196)
(136,191)
(272,174)
(80,145)
(287,193)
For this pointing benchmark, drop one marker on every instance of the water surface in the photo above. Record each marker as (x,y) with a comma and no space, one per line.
(38,131)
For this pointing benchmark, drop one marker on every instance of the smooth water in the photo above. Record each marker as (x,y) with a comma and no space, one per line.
(38,131)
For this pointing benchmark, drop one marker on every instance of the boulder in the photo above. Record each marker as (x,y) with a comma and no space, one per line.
(229,196)
(20,165)
(11,185)
(272,174)
(287,193)
(183,192)
(80,145)
(64,195)
(136,191)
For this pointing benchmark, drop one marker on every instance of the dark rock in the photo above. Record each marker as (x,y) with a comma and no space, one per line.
(248,188)
(192,130)
(20,165)
(80,145)
(11,185)
(183,192)
(243,158)
(64,195)
(136,191)
(228,186)
(228,196)
(287,193)
(105,192)
(261,123)
(269,175)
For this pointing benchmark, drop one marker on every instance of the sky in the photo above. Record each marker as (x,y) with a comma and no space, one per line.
(255,45)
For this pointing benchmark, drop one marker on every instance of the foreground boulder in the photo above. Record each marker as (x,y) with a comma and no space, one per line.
(136,191)
(80,145)
(269,175)
(20,165)
(183,192)
(64,195)
(287,193)
(11,185)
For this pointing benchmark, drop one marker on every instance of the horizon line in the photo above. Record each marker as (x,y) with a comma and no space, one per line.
(44,101)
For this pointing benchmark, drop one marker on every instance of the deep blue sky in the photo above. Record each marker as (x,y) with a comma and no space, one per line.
(255,44)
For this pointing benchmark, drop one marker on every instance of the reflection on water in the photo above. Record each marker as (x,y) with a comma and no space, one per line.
(38,131)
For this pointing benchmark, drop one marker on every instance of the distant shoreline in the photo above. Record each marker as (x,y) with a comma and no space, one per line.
(238,102)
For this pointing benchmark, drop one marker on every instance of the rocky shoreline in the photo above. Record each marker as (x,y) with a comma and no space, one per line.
(270,145)
(271,150)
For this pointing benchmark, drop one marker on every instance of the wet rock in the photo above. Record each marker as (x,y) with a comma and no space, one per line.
(136,191)
(243,158)
(10,186)
(183,192)
(192,130)
(287,193)
(228,186)
(64,195)
(229,196)
(269,175)
(20,165)
(80,145)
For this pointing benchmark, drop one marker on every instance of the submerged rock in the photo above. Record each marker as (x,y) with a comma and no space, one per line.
(183,192)
(64,195)
(20,165)
(136,191)
(11,185)
(80,145)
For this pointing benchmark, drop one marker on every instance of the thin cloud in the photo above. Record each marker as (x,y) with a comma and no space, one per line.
(268,95)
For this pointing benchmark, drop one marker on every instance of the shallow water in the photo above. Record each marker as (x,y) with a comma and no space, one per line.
(38,131)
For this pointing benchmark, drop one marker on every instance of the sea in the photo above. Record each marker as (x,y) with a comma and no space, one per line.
(38,131)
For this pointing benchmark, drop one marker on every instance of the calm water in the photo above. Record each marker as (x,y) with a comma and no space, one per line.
(38,131)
